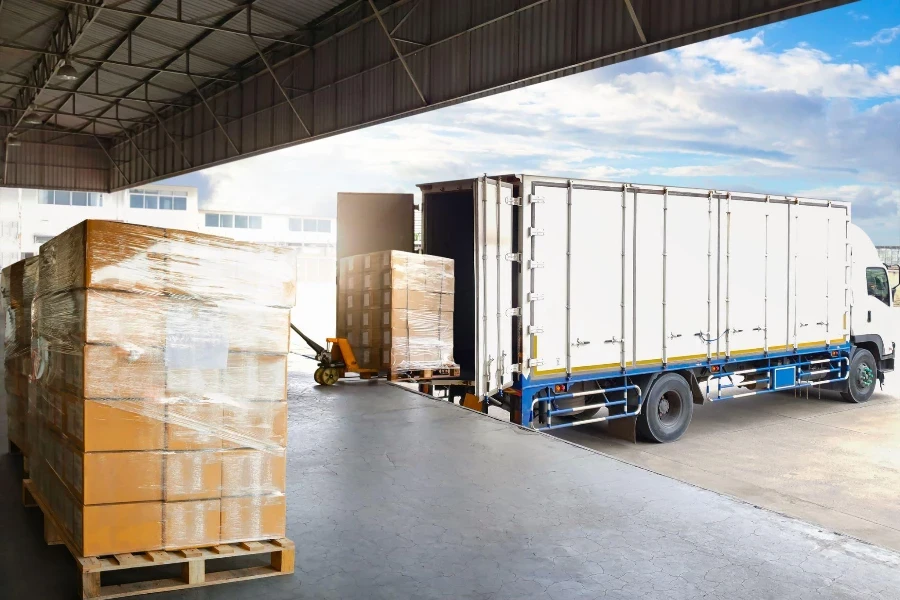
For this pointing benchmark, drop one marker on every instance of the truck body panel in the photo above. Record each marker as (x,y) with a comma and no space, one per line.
(631,276)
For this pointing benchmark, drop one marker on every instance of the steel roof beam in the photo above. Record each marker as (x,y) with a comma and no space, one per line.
(396,48)
(75,22)
(230,14)
(636,21)
(97,95)
(186,53)
(91,60)
(85,116)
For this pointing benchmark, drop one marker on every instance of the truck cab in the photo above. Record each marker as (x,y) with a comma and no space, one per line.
(874,320)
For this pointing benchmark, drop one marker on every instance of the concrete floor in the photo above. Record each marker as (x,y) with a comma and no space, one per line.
(821,460)
(393,495)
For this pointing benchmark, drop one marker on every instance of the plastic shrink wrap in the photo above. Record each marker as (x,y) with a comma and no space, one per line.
(396,310)
(160,361)
(18,282)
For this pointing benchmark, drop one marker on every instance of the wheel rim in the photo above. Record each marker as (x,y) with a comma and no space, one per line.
(865,377)
(329,377)
(669,409)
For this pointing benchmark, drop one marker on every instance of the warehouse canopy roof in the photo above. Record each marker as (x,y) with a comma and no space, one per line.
(101,95)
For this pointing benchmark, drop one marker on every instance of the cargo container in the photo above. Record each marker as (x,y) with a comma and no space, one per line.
(575,297)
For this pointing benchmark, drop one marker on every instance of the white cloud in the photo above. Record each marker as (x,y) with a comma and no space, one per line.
(885,36)
(875,208)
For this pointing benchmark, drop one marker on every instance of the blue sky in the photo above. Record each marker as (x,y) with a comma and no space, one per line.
(809,106)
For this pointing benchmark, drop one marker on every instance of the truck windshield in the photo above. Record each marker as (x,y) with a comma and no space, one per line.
(877,284)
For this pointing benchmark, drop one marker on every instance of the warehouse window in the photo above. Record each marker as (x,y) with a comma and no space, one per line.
(27,254)
(295,224)
(64,198)
(877,283)
(155,200)
(42,239)
(235,221)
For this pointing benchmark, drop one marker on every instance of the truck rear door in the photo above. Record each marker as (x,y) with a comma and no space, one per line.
(494,264)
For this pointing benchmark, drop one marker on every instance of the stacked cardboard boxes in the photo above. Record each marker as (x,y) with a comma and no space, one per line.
(161,387)
(17,287)
(396,310)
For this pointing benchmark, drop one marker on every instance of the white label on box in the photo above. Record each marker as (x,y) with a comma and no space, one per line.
(365,338)
(366,356)
(367,281)
(367,261)
(349,319)
(349,300)
(387,297)
(386,279)
(195,338)
(365,320)
(386,317)
(387,337)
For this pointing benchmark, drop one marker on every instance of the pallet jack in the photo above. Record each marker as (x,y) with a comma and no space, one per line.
(336,359)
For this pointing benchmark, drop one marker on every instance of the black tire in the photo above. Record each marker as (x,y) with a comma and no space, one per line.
(863,375)
(668,409)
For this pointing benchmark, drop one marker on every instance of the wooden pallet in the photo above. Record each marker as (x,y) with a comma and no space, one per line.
(423,374)
(193,561)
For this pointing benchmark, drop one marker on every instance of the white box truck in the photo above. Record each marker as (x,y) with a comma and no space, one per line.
(574,297)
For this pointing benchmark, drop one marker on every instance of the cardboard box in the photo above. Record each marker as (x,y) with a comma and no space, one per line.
(117,477)
(114,425)
(120,528)
(211,267)
(253,518)
(108,372)
(255,425)
(372,337)
(191,524)
(194,425)
(192,475)
(253,472)
(104,255)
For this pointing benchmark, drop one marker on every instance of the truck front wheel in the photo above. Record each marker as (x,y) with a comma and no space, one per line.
(667,411)
(863,375)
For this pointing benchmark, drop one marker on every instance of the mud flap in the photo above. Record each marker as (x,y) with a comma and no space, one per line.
(624,428)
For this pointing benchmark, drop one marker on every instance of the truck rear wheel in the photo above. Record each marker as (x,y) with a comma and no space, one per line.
(863,375)
(667,411)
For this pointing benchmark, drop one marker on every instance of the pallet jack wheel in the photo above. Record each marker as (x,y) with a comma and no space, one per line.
(317,376)
(330,376)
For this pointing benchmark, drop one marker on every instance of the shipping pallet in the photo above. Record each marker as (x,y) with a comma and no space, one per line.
(423,374)
(193,561)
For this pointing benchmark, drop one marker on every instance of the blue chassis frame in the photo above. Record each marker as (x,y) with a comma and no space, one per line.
(528,387)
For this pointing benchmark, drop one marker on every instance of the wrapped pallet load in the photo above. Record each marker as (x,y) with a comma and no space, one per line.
(396,309)
(17,287)
(161,369)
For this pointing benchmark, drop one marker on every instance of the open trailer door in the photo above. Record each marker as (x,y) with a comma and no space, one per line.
(495,264)
(374,222)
